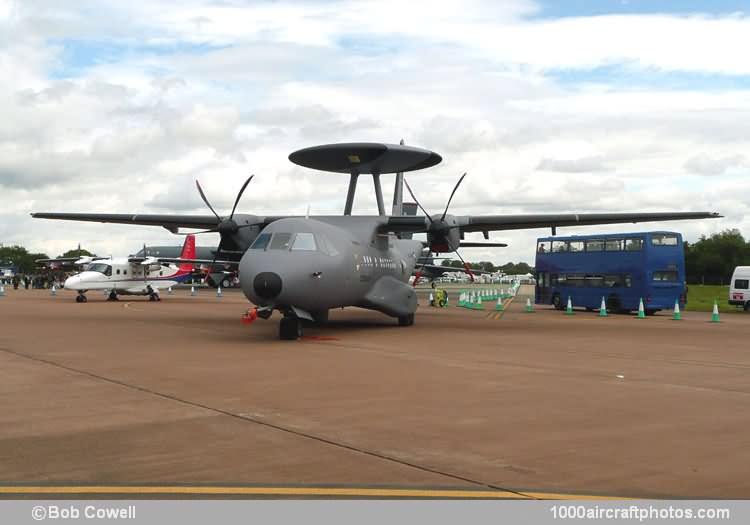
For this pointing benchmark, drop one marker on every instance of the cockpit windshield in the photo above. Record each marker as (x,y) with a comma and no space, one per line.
(300,241)
(106,269)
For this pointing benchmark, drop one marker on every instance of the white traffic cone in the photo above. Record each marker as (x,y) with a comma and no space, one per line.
(641,311)
(192,291)
(53,291)
(2,290)
(218,292)
(676,316)
(431,299)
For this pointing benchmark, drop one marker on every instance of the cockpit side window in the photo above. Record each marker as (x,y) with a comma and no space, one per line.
(304,241)
(280,241)
(106,269)
(261,241)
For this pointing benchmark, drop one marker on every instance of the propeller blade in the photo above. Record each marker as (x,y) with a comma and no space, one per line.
(452,194)
(415,200)
(203,196)
(239,195)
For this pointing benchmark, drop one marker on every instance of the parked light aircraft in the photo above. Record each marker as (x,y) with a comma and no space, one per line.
(135,275)
(305,266)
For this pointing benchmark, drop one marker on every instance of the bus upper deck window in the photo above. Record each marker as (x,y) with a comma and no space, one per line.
(664,239)
(669,276)
(575,246)
(544,247)
(559,246)
(594,246)
(613,245)
(632,245)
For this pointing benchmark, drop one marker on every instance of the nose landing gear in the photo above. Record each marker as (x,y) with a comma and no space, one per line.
(290,328)
(81,298)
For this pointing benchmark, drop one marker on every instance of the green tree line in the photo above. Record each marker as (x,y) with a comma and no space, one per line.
(711,260)
(507,268)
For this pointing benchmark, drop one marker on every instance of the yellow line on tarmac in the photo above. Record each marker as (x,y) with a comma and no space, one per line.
(361,492)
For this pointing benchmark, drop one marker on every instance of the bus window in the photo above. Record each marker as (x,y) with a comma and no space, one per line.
(559,246)
(613,245)
(575,246)
(742,284)
(633,245)
(576,279)
(665,276)
(664,239)
(544,246)
(594,246)
(614,281)
(628,280)
(595,281)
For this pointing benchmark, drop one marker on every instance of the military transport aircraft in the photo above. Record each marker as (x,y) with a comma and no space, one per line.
(305,266)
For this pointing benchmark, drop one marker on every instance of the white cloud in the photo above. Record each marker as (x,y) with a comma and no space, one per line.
(706,165)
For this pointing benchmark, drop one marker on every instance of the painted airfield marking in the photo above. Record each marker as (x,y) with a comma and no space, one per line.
(361,492)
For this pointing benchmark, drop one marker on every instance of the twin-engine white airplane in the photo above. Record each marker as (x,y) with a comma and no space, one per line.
(133,275)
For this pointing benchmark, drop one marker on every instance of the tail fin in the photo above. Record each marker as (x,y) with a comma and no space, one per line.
(188,252)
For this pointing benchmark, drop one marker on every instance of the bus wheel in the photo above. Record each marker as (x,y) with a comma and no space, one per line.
(614,304)
(557,302)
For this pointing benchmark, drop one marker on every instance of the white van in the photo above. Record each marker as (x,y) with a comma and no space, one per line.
(739,288)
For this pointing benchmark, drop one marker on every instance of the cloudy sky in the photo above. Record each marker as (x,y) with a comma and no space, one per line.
(550,106)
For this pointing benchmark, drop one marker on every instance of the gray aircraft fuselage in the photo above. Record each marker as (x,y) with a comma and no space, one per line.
(330,262)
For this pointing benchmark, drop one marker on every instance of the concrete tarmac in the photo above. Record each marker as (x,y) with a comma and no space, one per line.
(181,392)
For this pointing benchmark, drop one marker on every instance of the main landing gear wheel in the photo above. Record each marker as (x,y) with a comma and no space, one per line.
(406,320)
(154,297)
(112,296)
(226,283)
(80,298)
(290,328)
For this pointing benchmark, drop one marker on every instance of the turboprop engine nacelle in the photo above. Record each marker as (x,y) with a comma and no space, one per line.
(444,236)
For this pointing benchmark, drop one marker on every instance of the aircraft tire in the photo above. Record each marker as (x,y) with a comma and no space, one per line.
(290,328)
(79,298)
(226,283)
(112,296)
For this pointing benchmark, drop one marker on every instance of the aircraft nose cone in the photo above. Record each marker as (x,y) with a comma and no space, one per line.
(72,282)
(267,285)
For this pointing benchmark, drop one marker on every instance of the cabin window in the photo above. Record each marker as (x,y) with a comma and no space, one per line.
(325,245)
(280,241)
(664,239)
(118,272)
(742,284)
(559,246)
(633,245)
(261,241)
(304,242)
(124,272)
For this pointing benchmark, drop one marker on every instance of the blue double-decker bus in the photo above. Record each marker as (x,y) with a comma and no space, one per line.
(621,267)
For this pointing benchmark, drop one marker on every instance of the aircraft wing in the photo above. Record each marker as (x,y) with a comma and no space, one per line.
(478,223)
(484,223)
(177,260)
(170,222)
(434,268)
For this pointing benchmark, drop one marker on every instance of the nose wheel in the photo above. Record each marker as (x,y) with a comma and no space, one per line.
(81,298)
(290,328)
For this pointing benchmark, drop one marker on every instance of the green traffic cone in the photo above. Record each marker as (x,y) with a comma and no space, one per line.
(715,313)
(641,311)
(529,306)
(569,307)
(676,316)
(499,305)
(603,308)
